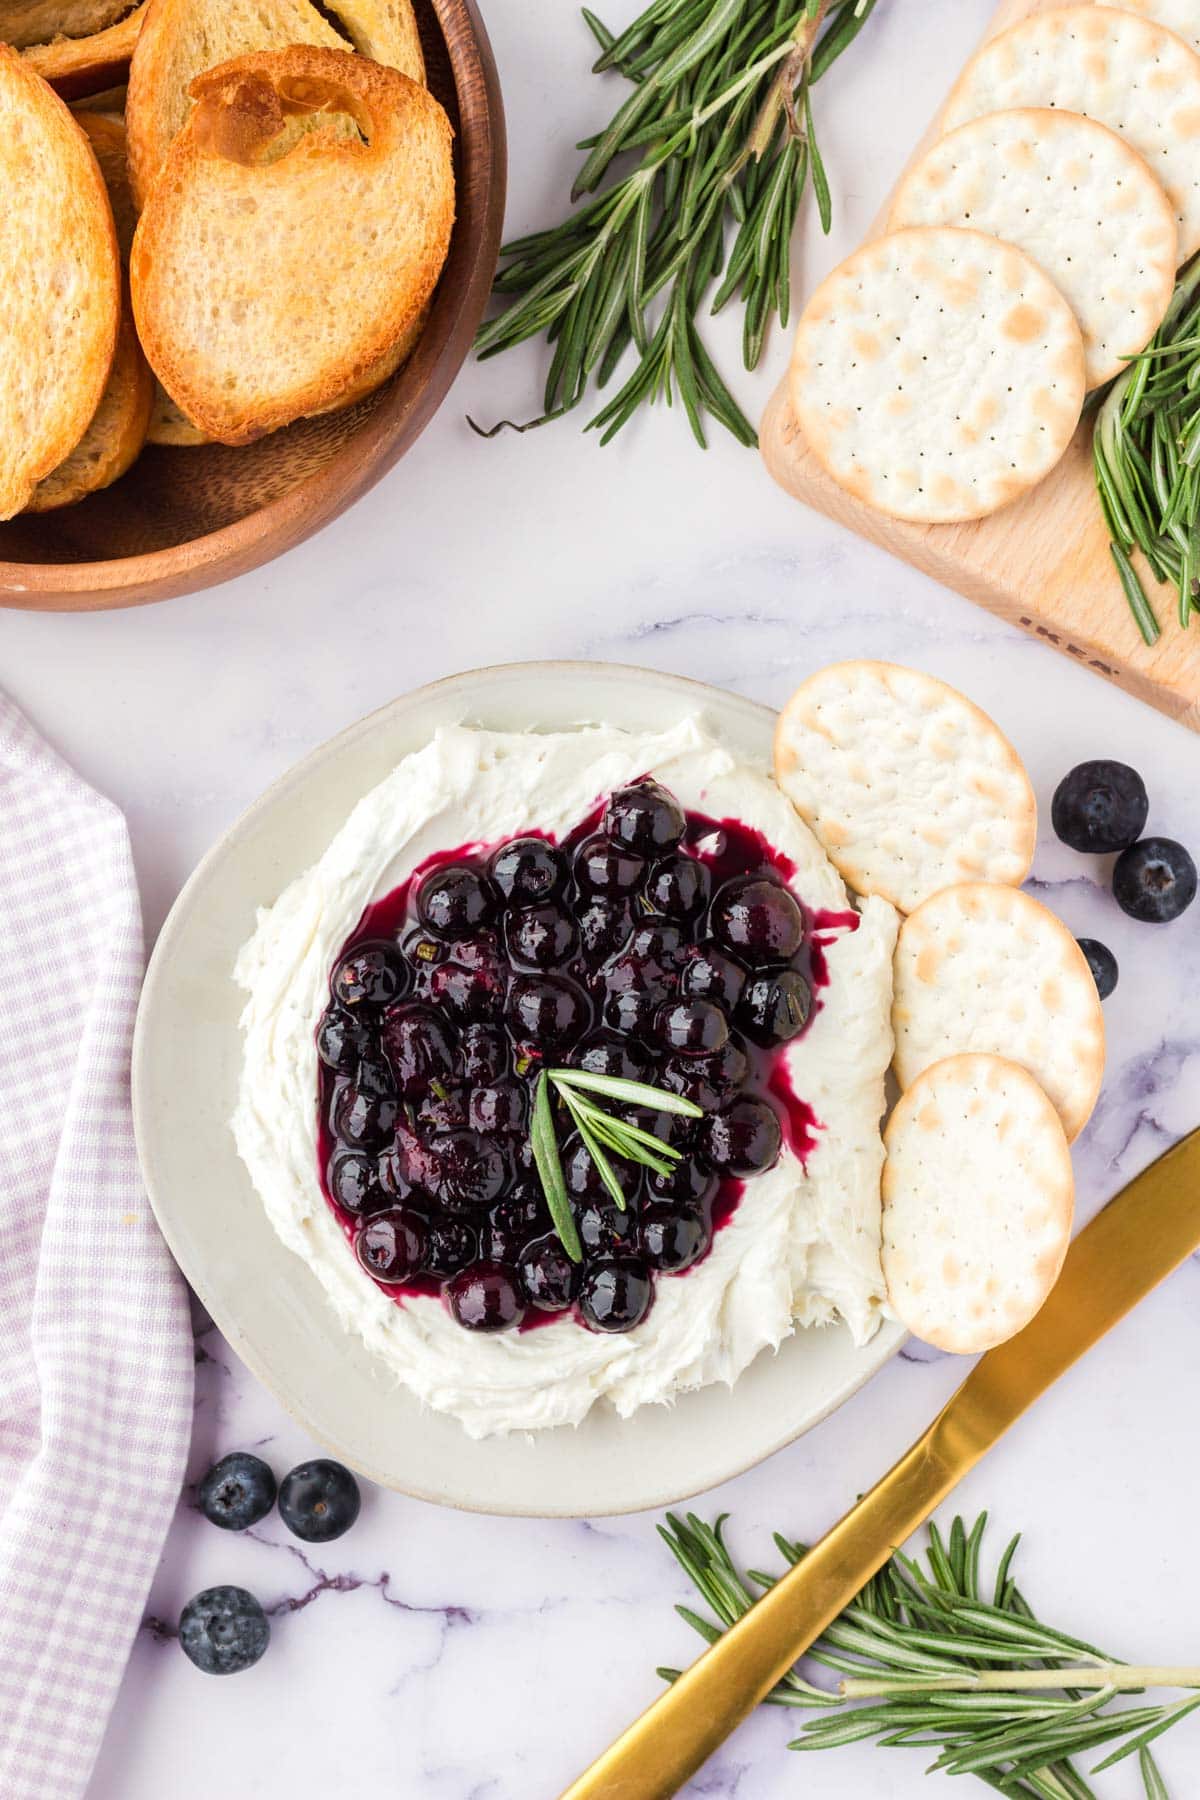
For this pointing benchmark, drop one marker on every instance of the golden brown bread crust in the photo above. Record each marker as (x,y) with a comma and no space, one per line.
(58,323)
(115,436)
(77,67)
(181,39)
(27,22)
(353,231)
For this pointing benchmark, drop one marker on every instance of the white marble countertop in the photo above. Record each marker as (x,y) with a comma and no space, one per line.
(437,1656)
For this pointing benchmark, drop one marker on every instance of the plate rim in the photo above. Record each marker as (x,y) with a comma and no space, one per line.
(886,1343)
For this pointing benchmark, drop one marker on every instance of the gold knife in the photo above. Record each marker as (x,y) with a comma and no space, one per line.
(1148,1230)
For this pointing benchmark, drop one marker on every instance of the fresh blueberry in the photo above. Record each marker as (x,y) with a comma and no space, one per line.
(237,1492)
(1100,807)
(1154,880)
(1103,965)
(223,1630)
(319,1500)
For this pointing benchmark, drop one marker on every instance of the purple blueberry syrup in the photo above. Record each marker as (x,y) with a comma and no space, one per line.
(653,944)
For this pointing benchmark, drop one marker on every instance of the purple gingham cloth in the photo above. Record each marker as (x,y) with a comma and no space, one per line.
(95,1349)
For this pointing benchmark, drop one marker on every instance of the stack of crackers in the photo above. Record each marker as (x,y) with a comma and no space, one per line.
(941,371)
(918,797)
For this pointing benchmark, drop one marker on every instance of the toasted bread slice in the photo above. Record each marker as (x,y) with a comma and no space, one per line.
(107,138)
(78,67)
(184,38)
(353,230)
(26,22)
(169,426)
(115,436)
(60,298)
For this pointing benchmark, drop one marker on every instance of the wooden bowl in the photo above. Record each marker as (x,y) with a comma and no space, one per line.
(184,519)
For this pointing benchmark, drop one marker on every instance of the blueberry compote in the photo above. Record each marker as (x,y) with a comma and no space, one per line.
(653,944)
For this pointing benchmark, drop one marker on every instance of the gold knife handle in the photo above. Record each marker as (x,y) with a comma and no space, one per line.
(675,1736)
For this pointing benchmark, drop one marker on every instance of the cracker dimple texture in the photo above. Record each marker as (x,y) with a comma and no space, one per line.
(909,787)
(1076,198)
(978,1197)
(989,969)
(1181,16)
(1128,72)
(938,374)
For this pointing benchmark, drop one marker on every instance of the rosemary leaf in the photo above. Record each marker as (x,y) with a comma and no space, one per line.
(549,1168)
(636,1093)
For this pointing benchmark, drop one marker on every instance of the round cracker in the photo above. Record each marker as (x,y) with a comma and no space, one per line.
(938,374)
(978,1198)
(1179,16)
(1076,198)
(1128,72)
(989,969)
(908,786)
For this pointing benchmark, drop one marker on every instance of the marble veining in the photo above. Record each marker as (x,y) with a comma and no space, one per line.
(439,1656)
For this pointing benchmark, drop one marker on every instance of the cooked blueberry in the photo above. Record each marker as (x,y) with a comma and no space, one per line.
(455,900)
(319,1500)
(672,1238)
(484,1297)
(373,1076)
(472,993)
(660,942)
(606,1054)
(450,1245)
(604,924)
(743,1139)
(1154,880)
(759,919)
(407,1163)
(484,1053)
(511,1225)
(1099,807)
(548,1009)
(603,1228)
(364,1120)
(422,950)
(391,1245)
(468,1170)
(418,1047)
(237,1492)
(370,975)
(1103,965)
(615,1296)
(774,1007)
(342,1041)
(707,1081)
(353,1180)
(679,887)
(607,868)
(711,975)
(631,1014)
(693,1027)
(443,1109)
(584,1180)
(547,1276)
(501,1108)
(541,937)
(646,818)
(527,871)
(223,1630)
(688,1182)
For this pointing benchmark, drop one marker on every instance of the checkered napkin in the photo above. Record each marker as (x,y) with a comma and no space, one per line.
(95,1349)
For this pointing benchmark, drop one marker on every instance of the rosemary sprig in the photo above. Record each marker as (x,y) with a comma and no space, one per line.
(603,1135)
(919,1644)
(719,121)
(1146,456)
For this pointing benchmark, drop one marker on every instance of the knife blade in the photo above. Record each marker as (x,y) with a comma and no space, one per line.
(1151,1227)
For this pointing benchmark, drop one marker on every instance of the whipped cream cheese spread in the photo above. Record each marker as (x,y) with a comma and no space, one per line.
(802,1247)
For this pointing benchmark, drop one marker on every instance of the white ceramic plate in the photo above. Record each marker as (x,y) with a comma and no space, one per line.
(270,1307)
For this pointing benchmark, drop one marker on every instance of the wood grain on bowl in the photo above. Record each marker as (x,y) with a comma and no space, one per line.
(184,519)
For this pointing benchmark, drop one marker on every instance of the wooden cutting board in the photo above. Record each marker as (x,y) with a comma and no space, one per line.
(1042,563)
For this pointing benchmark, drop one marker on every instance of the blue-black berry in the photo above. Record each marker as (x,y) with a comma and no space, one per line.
(1103,965)
(223,1630)
(319,1500)
(1100,807)
(1154,881)
(237,1492)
